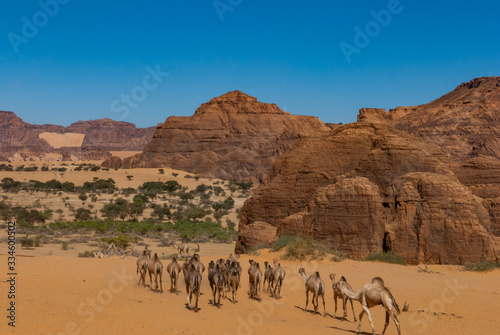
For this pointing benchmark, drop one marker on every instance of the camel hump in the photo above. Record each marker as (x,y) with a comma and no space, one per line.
(378,280)
(317,273)
(343,279)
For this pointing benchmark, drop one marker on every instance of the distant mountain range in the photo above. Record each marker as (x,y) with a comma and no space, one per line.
(93,139)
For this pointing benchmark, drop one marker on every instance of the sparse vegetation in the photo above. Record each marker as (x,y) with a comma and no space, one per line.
(300,248)
(386,257)
(482,266)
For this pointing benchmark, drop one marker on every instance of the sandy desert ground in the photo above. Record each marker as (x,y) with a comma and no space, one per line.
(69,295)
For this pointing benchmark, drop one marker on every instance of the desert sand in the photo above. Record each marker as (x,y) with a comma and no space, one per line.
(69,295)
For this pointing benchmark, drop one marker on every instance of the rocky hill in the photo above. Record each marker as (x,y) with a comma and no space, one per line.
(84,139)
(399,180)
(233,136)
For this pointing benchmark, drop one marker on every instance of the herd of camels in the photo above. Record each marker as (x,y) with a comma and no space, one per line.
(224,278)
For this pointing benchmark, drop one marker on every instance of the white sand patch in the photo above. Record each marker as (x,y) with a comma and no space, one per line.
(63,140)
(124,154)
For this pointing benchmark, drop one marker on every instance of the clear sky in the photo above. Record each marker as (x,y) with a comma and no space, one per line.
(68,60)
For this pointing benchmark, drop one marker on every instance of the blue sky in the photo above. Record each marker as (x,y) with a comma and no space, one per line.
(87,55)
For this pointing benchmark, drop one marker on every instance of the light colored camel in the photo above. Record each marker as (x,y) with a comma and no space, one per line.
(142,266)
(315,285)
(370,295)
(343,297)
(194,286)
(155,267)
(182,248)
(174,269)
(278,275)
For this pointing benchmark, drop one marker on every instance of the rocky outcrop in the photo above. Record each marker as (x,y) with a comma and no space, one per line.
(464,123)
(82,140)
(366,187)
(112,135)
(233,136)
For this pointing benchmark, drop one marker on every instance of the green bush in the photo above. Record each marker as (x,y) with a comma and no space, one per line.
(121,242)
(27,242)
(482,266)
(391,257)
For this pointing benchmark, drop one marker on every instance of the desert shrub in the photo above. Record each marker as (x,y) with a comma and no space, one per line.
(83,214)
(86,253)
(121,242)
(82,197)
(482,266)
(65,245)
(161,171)
(4,167)
(386,257)
(27,242)
(300,248)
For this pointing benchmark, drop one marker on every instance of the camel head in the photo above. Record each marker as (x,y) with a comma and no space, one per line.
(332,277)
(301,270)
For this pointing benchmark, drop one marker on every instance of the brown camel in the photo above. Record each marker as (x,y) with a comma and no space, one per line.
(234,282)
(370,295)
(155,267)
(315,285)
(174,269)
(195,260)
(278,275)
(217,281)
(142,266)
(255,277)
(268,273)
(194,286)
(343,297)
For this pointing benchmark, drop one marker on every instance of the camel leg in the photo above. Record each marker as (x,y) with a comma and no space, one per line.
(196,305)
(189,299)
(396,321)
(161,283)
(367,311)
(344,306)
(324,307)
(352,306)
(360,317)
(335,300)
(307,300)
(386,321)
(315,302)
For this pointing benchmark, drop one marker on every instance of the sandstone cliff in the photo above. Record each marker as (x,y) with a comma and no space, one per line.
(366,187)
(233,136)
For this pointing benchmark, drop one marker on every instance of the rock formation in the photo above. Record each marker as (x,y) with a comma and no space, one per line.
(233,136)
(428,190)
(84,139)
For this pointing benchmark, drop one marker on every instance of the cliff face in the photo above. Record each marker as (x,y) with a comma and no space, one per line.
(83,139)
(464,123)
(422,181)
(231,136)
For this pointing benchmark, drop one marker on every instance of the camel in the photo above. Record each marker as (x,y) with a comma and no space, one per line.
(370,295)
(174,269)
(234,282)
(255,276)
(182,248)
(142,266)
(155,267)
(194,286)
(278,275)
(338,294)
(217,281)
(268,272)
(225,271)
(315,285)
(197,263)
